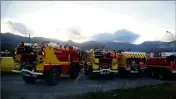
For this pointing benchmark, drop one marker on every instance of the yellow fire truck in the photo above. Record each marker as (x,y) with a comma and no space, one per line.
(7,62)
(131,63)
(100,61)
(48,62)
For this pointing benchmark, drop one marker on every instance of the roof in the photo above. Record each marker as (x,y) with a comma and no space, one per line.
(162,54)
(167,53)
(134,52)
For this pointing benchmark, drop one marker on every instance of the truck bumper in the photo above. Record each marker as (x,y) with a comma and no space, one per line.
(133,72)
(26,72)
(105,71)
(174,72)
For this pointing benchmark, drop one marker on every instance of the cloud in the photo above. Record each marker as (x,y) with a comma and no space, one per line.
(18,27)
(75,31)
(120,36)
(75,34)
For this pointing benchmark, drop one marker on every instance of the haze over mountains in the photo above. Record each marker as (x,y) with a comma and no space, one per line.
(10,41)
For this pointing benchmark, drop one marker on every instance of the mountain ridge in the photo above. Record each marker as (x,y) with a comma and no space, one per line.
(148,46)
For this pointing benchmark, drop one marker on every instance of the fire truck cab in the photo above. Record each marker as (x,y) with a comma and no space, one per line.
(100,61)
(131,63)
(162,65)
(48,61)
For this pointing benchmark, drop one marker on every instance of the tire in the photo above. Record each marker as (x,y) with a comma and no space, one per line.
(29,80)
(91,74)
(122,74)
(74,72)
(53,76)
(86,72)
(73,75)
(161,76)
(153,75)
(140,74)
(164,76)
(148,73)
(111,75)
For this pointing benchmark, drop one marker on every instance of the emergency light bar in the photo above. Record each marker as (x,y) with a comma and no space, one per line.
(28,44)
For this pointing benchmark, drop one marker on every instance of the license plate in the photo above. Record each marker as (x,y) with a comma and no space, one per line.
(134,71)
(26,74)
(105,72)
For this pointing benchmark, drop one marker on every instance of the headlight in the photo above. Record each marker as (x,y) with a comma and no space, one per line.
(96,61)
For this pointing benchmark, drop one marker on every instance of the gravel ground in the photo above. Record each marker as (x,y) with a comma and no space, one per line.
(13,87)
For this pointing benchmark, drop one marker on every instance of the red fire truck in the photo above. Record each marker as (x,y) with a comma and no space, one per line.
(162,65)
(48,61)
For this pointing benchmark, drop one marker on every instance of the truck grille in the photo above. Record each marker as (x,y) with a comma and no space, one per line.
(105,65)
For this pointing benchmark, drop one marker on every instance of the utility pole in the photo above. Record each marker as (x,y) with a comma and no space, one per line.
(173,40)
(29,38)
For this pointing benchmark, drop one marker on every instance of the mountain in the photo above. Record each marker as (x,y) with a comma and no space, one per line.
(10,41)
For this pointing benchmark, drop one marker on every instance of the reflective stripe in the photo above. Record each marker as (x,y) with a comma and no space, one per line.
(134,55)
(156,66)
(60,63)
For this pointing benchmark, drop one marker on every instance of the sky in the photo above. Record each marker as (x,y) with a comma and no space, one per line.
(81,21)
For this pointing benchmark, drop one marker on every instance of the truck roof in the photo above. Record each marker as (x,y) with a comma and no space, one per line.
(168,53)
(134,52)
(163,54)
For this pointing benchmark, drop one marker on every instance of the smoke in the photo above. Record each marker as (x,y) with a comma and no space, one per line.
(75,35)
(120,36)
(75,31)
(19,27)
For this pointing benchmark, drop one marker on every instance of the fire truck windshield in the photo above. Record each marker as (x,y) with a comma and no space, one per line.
(171,58)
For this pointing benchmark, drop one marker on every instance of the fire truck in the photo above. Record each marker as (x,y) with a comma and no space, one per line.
(47,61)
(7,63)
(101,62)
(161,65)
(131,63)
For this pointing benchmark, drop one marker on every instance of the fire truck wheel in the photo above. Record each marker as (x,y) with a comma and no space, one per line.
(162,76)
(29,80)
(86,71)
(73,75)
(148,73)
(74,72)
(89,71)
(112,75)
(154,75)
(91,74)
(53,76)
(123,74)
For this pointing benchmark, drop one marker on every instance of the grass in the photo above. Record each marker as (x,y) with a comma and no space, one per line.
(162,91)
